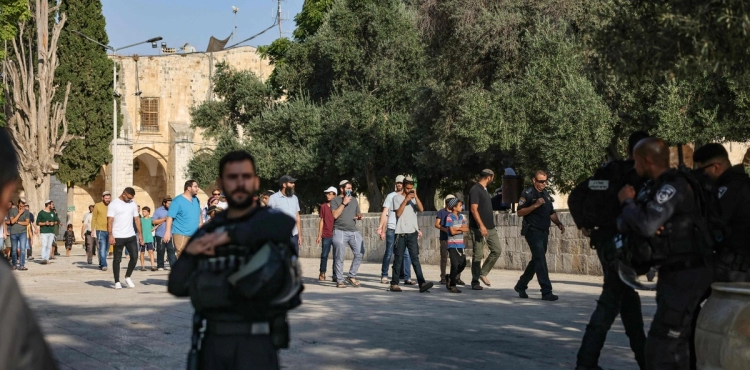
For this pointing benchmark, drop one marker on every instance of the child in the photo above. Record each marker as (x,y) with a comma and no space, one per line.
(69,237)
(148,238)
(456,224)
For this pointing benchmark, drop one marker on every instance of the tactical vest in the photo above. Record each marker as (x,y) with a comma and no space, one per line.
(683,235)
(252,283)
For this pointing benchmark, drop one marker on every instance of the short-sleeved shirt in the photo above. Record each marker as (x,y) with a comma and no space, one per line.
(160,212)
(346,221)
(388,203)
(288,205)
(441,215)
(186,215)
(327,216)
(16,228)
(45,216)
(407,223)
(538,218)
(455,241)
(146,228)
(87,221)
(123,214)
(481,197)
(99,219)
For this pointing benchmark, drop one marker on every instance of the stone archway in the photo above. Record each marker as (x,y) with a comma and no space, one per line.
(149,180)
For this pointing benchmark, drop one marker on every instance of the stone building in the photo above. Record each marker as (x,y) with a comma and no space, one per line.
(155,142)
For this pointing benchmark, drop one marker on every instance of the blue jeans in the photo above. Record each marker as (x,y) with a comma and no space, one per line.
(18,241)
(390,239)
(325,251)
(342,239)
(103,238)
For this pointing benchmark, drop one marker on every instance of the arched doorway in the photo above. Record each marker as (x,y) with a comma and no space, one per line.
(149,181)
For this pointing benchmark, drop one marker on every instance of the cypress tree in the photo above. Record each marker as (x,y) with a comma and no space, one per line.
(89,114)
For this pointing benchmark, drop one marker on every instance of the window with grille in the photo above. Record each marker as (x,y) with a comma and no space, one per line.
(150,114)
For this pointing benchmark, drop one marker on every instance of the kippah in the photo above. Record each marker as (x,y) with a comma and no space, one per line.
(710,151)
(452,202)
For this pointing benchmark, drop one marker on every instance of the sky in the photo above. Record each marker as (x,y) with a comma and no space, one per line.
(193,22)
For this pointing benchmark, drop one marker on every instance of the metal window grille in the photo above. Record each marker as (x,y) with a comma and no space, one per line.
(150,114)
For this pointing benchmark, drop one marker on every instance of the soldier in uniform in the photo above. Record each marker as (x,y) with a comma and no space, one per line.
(240,271)
(617,298)
(667,213)
(535,206)
(732,261)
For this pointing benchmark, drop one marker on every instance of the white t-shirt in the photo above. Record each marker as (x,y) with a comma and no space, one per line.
(123,214)
(87,221)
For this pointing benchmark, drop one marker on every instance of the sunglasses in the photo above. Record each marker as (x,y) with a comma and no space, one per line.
(541,181)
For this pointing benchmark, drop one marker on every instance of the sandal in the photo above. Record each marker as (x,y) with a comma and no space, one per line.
(454,290)
(410,282)
(23,268)
(354,282)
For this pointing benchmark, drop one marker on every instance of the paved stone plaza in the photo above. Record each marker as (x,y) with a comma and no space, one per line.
(89,325)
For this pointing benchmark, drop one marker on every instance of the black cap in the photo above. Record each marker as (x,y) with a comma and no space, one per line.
(286,178)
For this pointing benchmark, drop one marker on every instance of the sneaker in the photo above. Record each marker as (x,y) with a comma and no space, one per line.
(395,288)
(130,283)
(160,269)
(104,268)
(354,282)
(521,293)
(454,290)
(118,285)
(425,287)
(384,280)
(549,297)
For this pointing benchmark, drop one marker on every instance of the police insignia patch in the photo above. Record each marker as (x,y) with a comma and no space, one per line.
(665,193)
(722,190)
(521,201)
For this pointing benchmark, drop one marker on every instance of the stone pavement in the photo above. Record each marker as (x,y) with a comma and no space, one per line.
(90,325)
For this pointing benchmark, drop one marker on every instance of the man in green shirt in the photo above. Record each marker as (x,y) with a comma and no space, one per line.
(47,220)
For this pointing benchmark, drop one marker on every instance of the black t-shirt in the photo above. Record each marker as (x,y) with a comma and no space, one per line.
(734,198)
(538,218)
(479,196)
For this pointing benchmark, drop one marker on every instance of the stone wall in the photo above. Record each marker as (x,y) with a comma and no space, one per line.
(567,253)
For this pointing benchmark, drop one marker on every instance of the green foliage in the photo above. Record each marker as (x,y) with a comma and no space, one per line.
(310,18)
(86,67)
(11,12)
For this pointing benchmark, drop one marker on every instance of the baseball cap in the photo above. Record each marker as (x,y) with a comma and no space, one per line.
(408,179)
(331,189)
(399,179)
(286,178)
(106,193)
(343,182)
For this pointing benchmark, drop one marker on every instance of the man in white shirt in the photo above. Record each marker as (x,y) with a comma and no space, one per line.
(122,213)
(285,201)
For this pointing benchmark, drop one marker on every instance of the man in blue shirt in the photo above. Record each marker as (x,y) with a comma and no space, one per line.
(183,217)
(285,201)
(160,221)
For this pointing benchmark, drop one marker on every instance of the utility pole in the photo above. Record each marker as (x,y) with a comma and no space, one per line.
(235,10)
(278,18)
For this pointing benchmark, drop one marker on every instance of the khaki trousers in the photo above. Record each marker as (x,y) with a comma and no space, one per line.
(180,241)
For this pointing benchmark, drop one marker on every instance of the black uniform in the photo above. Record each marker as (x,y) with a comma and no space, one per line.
(242,329)
(536,230)
(616,299)
(684,259)
(732,262)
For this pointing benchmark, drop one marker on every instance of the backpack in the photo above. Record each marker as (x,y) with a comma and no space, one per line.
(594,203)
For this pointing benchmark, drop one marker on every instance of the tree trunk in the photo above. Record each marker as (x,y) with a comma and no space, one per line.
(36,124)
(374,195)
(426,191)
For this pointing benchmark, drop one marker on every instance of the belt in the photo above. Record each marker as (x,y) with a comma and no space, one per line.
(683,265)
(238,328)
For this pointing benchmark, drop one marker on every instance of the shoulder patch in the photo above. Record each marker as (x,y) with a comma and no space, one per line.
(665,193)
(521,201)
(722,190)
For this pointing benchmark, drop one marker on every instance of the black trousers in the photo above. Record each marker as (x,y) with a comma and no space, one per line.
(251,352)
(678,295)
(616,299)
(406,242)
(458,263)
(537,240)
(131,244)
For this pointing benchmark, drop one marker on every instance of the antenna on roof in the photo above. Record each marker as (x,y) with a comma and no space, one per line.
(235,10)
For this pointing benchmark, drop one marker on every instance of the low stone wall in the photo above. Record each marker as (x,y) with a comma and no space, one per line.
(567,253)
